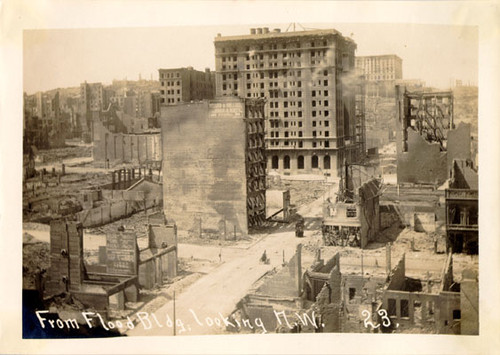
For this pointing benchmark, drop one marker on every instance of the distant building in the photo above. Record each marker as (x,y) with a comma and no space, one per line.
(91,104)
(381,67)
(214,178)
(92,96)
(44,125)
(381,73)
(185,85)
(307,78)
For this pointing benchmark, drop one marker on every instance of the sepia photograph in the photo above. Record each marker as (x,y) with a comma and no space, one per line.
(276,177)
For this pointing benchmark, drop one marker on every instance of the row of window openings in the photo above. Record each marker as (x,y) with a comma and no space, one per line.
(276,134)
(271,84)
(274,46)
(275,56)
(382,77)
(270,75)
(300,144)
(170,75)
(271,57)
(171,83)
(294,134)
(375,65)
(275,104)
(287,124)
(271,65)
(287,114)
(369,70)
(170,101)
(284,84)
(275,94)
(170,92)
(300,162)
(404,309)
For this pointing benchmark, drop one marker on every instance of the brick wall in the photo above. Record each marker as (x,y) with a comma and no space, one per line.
(204,155)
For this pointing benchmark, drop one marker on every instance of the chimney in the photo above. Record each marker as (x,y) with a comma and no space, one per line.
(266,29)
(259,30)
(252,31)
(298,252)
(277,30)
(219,35)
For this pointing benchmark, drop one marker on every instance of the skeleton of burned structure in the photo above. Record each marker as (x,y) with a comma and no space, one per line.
(430,114)
(256,161)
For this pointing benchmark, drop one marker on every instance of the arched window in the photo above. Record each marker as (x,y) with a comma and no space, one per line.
(275,162)
(314,162)
(326,162)
(286,162)
(300,162)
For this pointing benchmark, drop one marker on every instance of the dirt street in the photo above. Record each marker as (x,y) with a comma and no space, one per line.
(202,307)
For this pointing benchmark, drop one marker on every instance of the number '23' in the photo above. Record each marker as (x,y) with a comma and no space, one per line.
(386,321)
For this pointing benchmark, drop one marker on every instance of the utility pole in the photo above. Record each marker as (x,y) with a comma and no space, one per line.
(362,271)
(174,316)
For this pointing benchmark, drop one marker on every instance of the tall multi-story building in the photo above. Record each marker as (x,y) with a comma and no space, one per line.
(381,67)
(185,85)
(92,96)
(91,104)
(308,80)
(381,73)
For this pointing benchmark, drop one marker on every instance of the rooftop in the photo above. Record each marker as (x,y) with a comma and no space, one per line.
(378,56)
(276,33)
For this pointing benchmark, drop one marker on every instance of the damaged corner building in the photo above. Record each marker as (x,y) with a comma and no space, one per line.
(354,218)
(214,166)
(427,138)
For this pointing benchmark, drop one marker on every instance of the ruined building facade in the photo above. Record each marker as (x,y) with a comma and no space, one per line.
(185,85)
(427,138)
(306,77)
(462,223)
(214,164)
(353,221)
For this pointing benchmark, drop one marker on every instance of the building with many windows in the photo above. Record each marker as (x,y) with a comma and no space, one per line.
(308,81)
(185,85)
(381,73)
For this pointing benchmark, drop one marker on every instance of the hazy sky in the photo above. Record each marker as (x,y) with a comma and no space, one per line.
(53,59)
